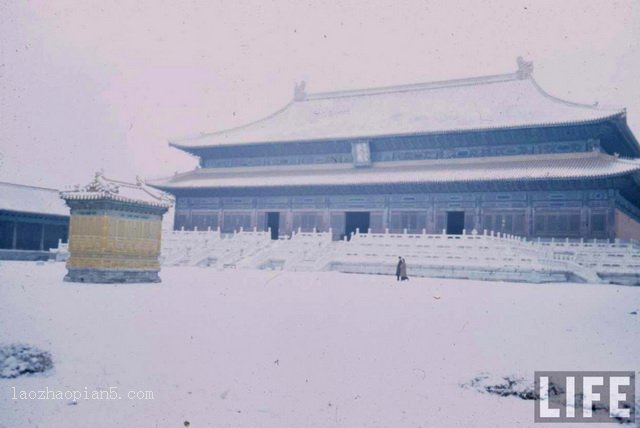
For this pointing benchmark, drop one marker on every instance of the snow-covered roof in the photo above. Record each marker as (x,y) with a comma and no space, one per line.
(105,188)
(511,100)
(30,199)
(527,167)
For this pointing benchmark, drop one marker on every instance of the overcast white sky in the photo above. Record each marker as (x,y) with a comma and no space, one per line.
(89,85)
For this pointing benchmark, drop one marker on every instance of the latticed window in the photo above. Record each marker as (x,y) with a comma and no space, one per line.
(512,222)
(412,221)
(181,221)
(204,221)
(409,221)
(6,234)
(557,224)
(233,222)
(307,222)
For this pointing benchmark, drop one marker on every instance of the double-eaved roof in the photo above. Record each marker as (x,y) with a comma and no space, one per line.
(503,101)
(595,165)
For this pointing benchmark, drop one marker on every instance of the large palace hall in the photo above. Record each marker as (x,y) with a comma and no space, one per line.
(493,152)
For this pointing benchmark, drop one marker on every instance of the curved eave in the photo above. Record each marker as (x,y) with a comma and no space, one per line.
(480,182)
(224,131)
(617,118)
(112,198)
(630,139)
(390,188)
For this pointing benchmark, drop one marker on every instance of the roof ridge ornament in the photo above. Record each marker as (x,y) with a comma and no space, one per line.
(299,92)
(101,184)
(525,68)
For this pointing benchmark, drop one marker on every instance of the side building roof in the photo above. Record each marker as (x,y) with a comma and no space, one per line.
(31,199)
(504,101)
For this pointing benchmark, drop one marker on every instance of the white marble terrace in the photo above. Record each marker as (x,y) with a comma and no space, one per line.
(485,255)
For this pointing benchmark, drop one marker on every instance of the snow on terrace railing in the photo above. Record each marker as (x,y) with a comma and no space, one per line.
(211,247)
(307,248)
(61,252)
(489,252)
(484,249)
(241,245)
(604,256)
(298,252)
(495,250)
(315,251)
(179,246)
(313,234)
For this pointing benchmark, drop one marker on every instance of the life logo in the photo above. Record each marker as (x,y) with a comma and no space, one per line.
(585,396)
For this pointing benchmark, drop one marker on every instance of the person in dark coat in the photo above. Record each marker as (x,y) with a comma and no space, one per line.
(403,270)
(399,268)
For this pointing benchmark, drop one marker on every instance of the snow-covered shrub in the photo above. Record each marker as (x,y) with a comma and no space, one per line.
(19,360)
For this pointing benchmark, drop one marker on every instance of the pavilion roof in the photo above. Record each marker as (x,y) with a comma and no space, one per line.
(505,101)
(119,191)
(506,168)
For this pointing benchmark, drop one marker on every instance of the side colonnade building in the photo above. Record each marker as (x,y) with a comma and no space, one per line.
(32,220)
(493,152)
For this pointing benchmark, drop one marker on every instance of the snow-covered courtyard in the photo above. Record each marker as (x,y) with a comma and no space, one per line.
(286,349)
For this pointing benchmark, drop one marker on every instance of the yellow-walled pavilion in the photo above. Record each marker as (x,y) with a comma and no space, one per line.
(114,231)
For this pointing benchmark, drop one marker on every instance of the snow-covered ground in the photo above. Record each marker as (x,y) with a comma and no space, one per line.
(286,349)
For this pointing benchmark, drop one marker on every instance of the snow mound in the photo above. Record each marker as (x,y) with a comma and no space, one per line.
(504,386)
(19,360)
